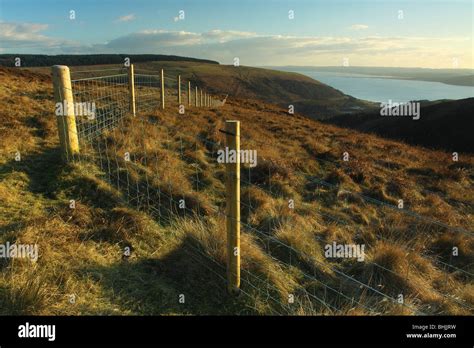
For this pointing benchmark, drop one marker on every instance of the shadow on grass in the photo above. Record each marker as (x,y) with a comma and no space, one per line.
(42,169)
(155,286)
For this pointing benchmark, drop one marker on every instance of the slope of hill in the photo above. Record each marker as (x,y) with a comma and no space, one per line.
(81,268)
(307,95)
(443,124)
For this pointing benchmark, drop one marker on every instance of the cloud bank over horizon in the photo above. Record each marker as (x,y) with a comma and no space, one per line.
(253,48)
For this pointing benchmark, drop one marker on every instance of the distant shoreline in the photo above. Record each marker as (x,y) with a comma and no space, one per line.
(454,77)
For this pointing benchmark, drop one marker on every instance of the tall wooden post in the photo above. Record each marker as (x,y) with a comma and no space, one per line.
(162,89)
(200,103)
(131,87)
(179,89)
(233,207)
(189,93)
(67,121)
(196,96)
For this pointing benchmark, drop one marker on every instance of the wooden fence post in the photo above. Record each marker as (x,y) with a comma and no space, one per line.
(189,93)
(200,103)
(131,87)
(179,89)
(162,89)
(67,121)
(233,207)
(196,96)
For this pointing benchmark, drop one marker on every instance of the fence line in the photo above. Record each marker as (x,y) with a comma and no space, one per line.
(120,101)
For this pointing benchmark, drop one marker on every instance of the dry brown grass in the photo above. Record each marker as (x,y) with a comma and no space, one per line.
(81,250)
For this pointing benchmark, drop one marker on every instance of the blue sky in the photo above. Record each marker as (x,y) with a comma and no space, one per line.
(430,33)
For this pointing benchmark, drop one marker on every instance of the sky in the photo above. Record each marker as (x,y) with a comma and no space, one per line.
(393,33)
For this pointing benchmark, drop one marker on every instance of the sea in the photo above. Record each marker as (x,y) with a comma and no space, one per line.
(383,89)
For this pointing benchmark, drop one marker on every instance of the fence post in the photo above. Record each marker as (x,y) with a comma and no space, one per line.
(233,207)
(189,93)
(196,96)
(162,89)
(179,89)
(67,121)
(205,99)
(131,86)
(200,103)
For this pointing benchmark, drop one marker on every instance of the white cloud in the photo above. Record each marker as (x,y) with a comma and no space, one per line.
(253,49)
(15,37)
(359,26)
(256,49)
(127,18)
(227,35)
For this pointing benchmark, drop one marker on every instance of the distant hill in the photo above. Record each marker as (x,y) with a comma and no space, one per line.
(308,96)
(33,60)
(444,125)
(467,80)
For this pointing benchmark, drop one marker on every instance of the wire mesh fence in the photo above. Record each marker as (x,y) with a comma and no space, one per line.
(104,101)
(135,158)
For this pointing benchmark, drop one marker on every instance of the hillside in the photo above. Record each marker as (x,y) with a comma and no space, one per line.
(122,204)
(443,124)
(307,95)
